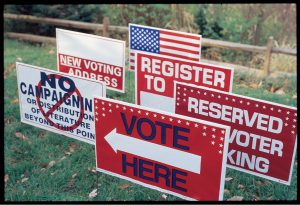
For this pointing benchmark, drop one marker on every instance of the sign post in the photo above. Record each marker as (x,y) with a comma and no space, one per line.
(175,154)
(92,57)
(263,136)
(155,76)
(58,102)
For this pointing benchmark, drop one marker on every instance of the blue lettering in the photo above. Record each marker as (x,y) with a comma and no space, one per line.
(128,129)
(144,169)
(175,179)
(139,129)
(178,137)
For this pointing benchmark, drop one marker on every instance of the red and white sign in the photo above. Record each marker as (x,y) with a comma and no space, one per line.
(179,155)
(263,134)
(155,76)
(92,57)
(186,46)
(58,102)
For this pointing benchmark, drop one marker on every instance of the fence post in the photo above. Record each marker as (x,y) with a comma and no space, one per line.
(105,26)
(266,68)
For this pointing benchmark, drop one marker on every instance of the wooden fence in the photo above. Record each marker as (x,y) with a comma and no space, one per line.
(106,28)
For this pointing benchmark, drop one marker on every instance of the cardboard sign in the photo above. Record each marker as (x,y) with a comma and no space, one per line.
(171,43)
(155,76)
(263,134)
(92,57)
(179,155)
(58,102)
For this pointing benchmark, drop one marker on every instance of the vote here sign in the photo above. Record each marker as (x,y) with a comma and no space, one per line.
(155,76)
(179,155)
(58,102)
(92,57)
(263,134)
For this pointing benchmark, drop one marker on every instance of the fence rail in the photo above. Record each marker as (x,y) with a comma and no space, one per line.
(106,28)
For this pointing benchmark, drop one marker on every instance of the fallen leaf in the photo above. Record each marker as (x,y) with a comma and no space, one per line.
(14,101)
(43,169)
(6,177)
(24,180)
(253,85)
(51,51)
(226,191)
(240,186)
(294,96)
(280,92)
(72,147)
(270,198)
(61,159)
(42,134)
(164,196)
(124,186)
(242,85)
(93,194)
(228,179)
(8,120)
(236,198)
(259,183)
(51,164)
(92,170)
(53,173)
(74,175)
(21,136)
(256,198)
(19,59)
(68,153)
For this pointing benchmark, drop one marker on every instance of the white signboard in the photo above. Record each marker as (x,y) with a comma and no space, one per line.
(58,102)
(93,57)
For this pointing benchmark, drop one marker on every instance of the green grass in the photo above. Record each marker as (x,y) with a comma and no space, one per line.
(28,158)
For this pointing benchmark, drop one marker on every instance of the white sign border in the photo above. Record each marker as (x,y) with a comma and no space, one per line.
(50,128)
(225,148)
(97,37)
(259,100)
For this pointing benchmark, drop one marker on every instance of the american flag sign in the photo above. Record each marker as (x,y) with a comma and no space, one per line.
(165,42)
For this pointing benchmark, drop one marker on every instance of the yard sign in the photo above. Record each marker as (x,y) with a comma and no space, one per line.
(155,76)
(92,57)
(58,102)
(175,154)
(162,41)
(263,136)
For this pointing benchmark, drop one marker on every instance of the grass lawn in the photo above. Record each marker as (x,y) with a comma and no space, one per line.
(43,166)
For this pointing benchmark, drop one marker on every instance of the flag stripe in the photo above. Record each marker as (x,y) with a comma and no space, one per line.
(179,34)
(180,56)
(191,48)
(180,49)
(164,50)
(183,40)
(180,42)
(169,43)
